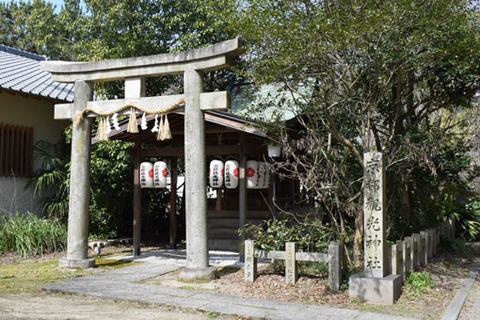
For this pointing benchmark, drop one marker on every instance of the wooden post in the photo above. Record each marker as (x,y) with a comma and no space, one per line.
(417,249)
(250,261)
(335,258)
(173,202)
(407,265)
(425,246)
(291,265)
(137,200)
(431,239)
(400,261)
(242,205)
(394,259)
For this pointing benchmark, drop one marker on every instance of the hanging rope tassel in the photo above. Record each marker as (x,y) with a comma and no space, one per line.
(167,134)
(160,129)
(132,122)
(102,130)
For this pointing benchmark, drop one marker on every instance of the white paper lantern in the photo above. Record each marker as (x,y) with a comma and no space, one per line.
(231,174)
(160,173)
(252,168)
(216,174)
(261,175)
(146,175)
(266,182)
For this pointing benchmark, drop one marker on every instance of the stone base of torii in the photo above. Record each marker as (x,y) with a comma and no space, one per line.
(191,64)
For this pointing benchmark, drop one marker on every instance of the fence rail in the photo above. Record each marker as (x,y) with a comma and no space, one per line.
(416,250)
(291,257)
(403,256)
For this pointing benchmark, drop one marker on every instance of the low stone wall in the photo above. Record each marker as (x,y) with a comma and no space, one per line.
(291,257)
(415,251)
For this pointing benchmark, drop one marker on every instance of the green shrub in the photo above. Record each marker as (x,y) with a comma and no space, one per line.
(26,234)
(418,282)
(273,234)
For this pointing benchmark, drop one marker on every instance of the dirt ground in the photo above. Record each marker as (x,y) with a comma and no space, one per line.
(61,307)
(447,270)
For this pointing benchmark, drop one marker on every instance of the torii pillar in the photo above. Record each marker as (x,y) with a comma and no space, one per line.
(192,64)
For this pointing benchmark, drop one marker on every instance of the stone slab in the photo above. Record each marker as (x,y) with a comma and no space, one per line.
(375,290)
(197,274)
(76,263)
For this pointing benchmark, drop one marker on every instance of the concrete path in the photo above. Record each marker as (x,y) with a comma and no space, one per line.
(467,297)
(122,284)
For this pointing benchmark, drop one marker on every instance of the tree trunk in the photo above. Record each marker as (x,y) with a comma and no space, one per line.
(358,240)
(406,199)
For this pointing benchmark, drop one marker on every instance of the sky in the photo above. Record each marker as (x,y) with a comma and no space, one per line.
(58,3)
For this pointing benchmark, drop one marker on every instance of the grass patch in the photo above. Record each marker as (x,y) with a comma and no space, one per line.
(418,283)
(102,262)
(28,235)
(27,277)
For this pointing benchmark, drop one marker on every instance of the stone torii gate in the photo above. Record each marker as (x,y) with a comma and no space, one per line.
(191,64)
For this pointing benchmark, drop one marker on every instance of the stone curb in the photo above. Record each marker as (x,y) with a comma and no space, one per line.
(455,307)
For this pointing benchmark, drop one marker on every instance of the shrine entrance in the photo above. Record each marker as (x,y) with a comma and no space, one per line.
(227,138)
(194,102)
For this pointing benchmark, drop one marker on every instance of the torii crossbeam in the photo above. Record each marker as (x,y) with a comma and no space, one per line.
(191,64)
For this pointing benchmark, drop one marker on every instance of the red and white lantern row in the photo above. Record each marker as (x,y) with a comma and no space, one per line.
(258,176)
(231,174)
(153,176)
(216,174)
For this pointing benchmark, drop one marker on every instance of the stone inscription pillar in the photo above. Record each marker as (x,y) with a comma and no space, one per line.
(374,202)
(77,245)
(373,285)
(195,170)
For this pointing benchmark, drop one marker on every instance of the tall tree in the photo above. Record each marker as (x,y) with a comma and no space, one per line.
(364,75)
(109,29)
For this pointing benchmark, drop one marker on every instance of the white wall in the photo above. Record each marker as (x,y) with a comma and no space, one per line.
(30,112)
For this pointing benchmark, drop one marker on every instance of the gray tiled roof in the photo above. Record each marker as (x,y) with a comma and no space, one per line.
(20,71)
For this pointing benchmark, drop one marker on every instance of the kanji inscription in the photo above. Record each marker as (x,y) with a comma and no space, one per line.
(374,199)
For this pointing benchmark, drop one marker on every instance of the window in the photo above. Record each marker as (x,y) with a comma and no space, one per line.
(16,151)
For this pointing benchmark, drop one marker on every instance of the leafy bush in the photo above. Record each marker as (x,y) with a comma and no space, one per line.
(26,234)
(468,220)
(418,282)
(271,235)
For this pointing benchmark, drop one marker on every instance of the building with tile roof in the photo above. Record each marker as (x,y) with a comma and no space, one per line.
(27,96)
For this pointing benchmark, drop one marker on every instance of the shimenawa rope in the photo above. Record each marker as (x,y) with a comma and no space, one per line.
(164,128)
